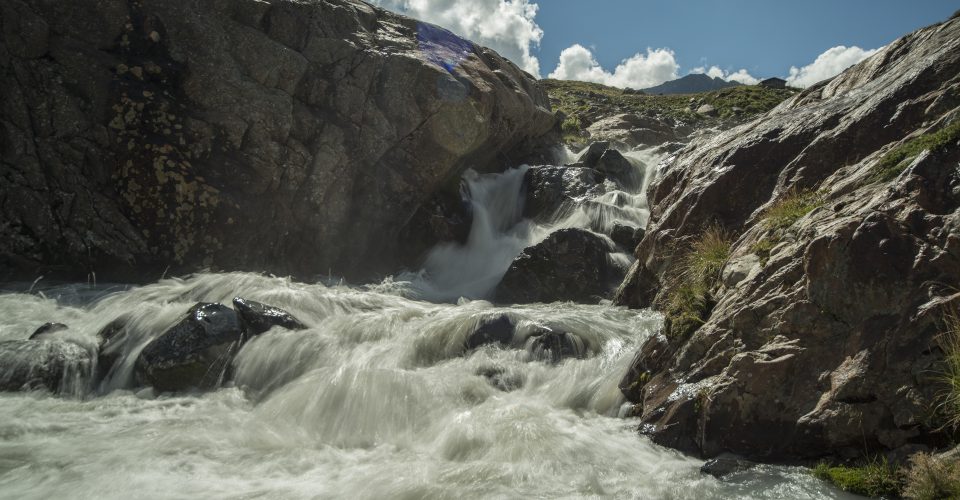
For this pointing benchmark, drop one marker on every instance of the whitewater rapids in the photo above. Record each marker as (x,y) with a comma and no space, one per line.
(377,398)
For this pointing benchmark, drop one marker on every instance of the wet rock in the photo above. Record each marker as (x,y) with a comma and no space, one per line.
(554,346)
(112,343)
(549,188)
(53,365)
(614,165)
(321,128)
(626,236)
(571,264)
(721,467)
(256,318)
(822,323)
(491,330)
(592,153)
(48,328)
(193,354)
(501,379)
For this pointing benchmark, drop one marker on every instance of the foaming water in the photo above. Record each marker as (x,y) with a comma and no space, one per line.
(376,399)
(500,232)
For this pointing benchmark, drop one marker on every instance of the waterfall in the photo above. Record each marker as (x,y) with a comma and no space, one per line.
(379,397)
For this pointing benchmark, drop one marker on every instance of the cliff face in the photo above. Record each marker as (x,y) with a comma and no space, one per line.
(285,136)
(838,217)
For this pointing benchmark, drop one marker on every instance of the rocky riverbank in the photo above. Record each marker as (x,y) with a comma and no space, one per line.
(805,262)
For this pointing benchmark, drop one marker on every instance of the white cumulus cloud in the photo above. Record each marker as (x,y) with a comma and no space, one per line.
(506,26)
(741,75)
(827,65)
(639,71)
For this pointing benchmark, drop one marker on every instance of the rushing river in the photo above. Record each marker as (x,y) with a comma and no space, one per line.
(378,398)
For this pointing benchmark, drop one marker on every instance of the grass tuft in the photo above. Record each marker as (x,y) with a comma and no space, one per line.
(949,375)
(763,247)
(791,208)
(898,159)
(931,477)
(876,478)
(688,300)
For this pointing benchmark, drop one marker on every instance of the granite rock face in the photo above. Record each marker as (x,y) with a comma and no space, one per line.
(283,136)
(822,335)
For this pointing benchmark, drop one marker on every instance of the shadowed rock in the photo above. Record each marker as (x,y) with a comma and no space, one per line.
(553,346)
(320,128)
(495,330)
(571,264)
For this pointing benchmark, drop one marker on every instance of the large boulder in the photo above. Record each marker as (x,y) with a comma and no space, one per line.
(818,334)
(494,330)
(54,365)
(632,130)
(279,135)
(193,354)
(571,264)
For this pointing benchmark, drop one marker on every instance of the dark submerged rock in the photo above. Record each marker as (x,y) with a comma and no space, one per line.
(500,378)
(256,318)
(571,264)
(54,365)
(554,346)
(492,330)
(112,343)
(721,467)
(48,328)
(193,354)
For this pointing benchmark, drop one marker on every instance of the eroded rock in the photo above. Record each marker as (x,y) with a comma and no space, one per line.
(256,318)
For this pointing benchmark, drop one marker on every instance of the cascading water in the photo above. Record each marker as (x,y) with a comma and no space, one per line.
(377,398)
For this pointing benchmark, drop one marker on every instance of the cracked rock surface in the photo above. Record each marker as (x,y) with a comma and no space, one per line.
(282,136)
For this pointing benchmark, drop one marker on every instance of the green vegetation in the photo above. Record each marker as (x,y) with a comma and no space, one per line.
(931,478)
(949,374)
(897,159)
(791,208)
(874,479)
(585,102)
(763,247)
(688,298)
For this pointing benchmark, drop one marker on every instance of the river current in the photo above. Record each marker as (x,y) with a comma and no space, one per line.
(378,398)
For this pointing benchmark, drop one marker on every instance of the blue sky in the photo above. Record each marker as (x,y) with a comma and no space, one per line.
(765,37)
(642,43)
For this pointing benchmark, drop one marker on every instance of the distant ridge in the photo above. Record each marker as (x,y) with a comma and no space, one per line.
(691,84)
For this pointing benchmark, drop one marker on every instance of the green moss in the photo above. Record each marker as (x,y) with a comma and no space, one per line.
(763,247)
(688,300)
(578,99)
(899,158)
(876,478)
(791,208)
